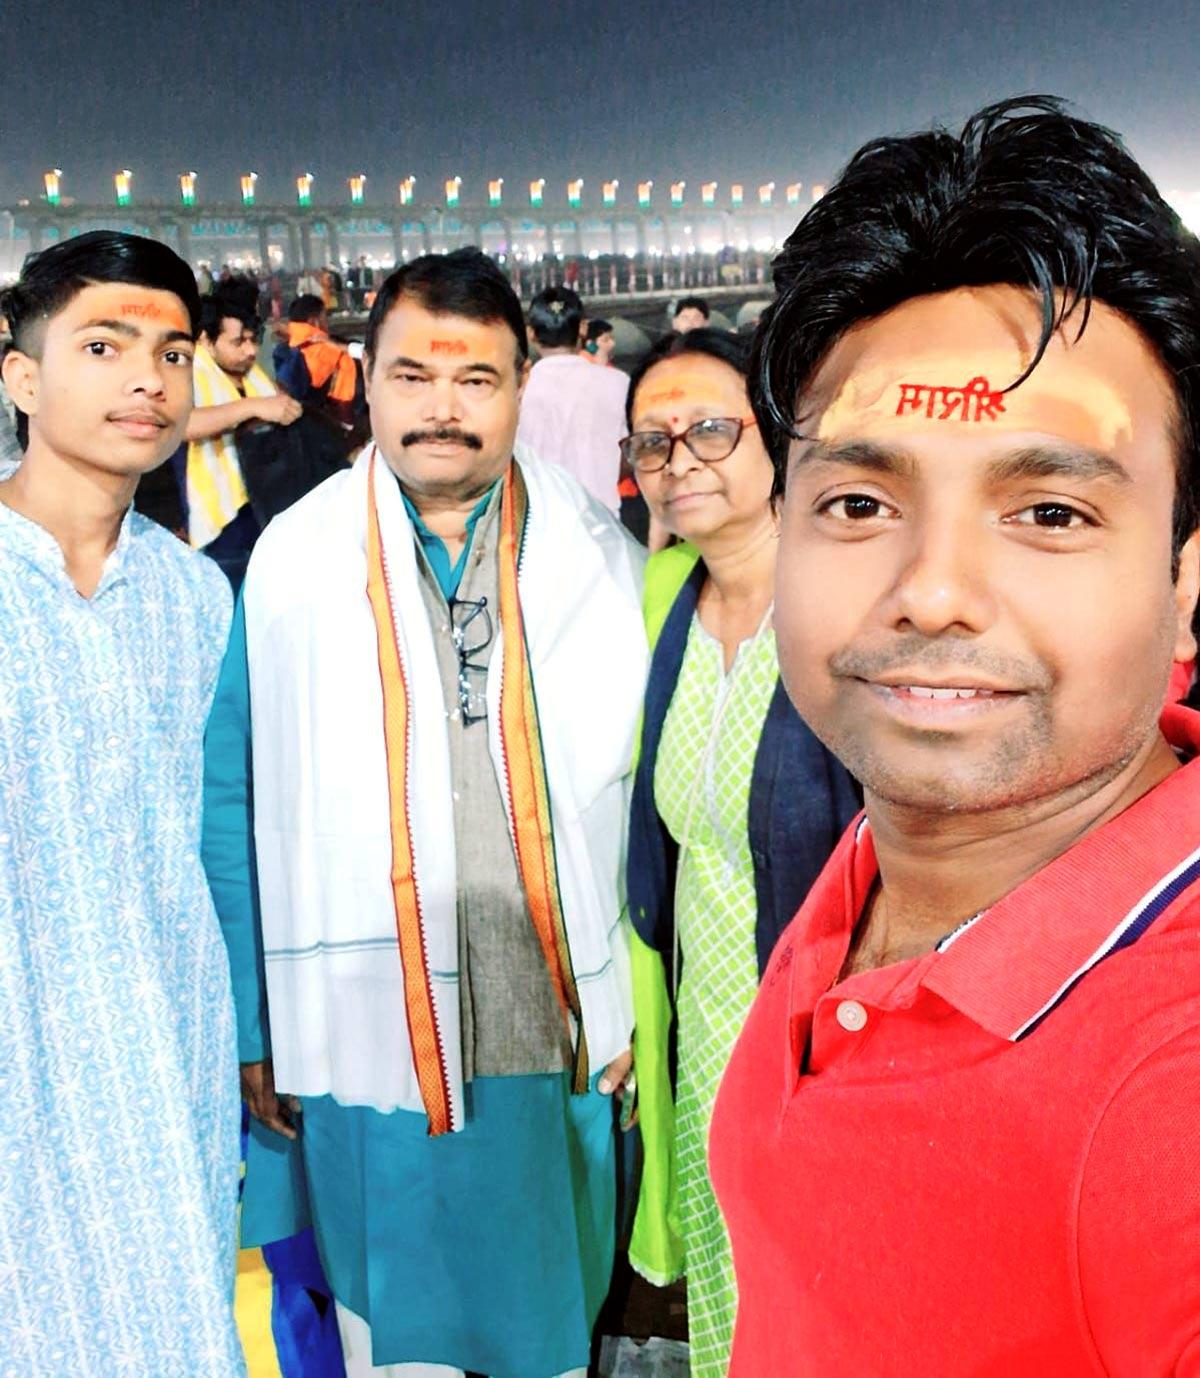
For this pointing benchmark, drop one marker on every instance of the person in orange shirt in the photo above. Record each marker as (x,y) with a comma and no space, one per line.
(315,369)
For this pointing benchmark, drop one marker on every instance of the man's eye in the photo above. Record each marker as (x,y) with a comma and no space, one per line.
(1051,515)
(478,382)
(854,507)
(100,349)
(178,358)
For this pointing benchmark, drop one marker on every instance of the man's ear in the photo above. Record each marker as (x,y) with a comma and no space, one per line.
(522,377)
(22,375)
(1187,591)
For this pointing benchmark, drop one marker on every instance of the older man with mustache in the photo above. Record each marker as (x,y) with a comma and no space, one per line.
(445,666)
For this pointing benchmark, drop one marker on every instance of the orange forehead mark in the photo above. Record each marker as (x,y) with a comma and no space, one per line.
(147,310)
(666,395)
(973,401)
(448,347)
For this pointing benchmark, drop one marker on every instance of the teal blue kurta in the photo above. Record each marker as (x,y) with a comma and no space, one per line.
(489,1249)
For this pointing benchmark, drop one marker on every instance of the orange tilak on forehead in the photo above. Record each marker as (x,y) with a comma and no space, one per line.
(450,341)
(157,308)
(940,392)
(675,387)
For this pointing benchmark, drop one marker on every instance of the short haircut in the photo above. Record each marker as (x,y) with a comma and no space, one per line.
(1027,195)
(235,299)
(597,328)
(696,304)
(52,279)
(307,308)
(555,317)
(721,345)
(464,283)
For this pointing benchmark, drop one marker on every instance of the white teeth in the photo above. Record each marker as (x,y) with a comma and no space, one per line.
(922,691)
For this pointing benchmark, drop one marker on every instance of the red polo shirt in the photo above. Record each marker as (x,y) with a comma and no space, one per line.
(983,1162)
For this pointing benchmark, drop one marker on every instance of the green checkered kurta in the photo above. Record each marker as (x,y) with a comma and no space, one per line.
(702,791)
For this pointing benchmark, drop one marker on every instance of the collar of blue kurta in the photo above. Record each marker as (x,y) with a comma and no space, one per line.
(34,544)
(448,575)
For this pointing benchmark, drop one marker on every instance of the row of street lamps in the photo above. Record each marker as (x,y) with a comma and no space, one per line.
(123,185)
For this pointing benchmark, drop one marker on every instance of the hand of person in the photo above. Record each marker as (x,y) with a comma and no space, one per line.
(618,1080)
(258,1091)
(280,409)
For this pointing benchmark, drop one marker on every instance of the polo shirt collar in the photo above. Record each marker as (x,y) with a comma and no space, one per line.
(1007,968)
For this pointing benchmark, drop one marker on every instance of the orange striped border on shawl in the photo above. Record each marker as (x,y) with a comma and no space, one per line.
(423,1032)
(525,768)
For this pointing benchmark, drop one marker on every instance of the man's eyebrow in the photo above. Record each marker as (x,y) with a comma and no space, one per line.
(132,332)
(856,454)
(403,361)
(1056,461)
(104,323)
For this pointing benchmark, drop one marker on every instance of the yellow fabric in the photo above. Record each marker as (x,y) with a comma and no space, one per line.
(216,491)
(656,1246)
(252,1310)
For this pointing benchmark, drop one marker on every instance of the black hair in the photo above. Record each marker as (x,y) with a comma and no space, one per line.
(696,303)
(465,282)
(306,308)
(555,317)
(234,299)
(54,277)
(721,345)
(1026,195)
(595,329)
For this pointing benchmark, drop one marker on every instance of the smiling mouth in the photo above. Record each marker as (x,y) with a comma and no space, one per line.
(928,691)
(939,703)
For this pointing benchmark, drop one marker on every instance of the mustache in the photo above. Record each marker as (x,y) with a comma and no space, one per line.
(442,434)
(912,653)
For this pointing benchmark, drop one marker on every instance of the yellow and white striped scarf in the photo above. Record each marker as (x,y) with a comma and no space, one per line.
(216,491)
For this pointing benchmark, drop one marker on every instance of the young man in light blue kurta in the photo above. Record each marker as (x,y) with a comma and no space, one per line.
(441,656)
(118,1082)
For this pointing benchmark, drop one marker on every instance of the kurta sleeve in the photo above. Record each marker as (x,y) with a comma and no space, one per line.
(227,841)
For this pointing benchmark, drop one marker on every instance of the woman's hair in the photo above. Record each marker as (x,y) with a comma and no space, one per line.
(714,344)
(1026,195)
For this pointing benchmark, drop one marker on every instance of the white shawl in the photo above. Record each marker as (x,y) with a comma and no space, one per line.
(321,814)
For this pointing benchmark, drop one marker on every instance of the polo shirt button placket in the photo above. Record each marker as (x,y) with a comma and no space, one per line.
(851,1016)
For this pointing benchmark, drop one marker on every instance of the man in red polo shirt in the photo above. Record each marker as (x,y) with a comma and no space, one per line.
(960,1134)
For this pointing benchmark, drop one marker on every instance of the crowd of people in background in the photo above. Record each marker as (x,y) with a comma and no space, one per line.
(364,777)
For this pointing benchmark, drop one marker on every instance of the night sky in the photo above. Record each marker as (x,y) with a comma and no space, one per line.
(741,90)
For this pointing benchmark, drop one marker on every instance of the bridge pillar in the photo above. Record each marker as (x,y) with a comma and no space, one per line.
(306,253)
(264,246)
(397,240)
(335,245)
(294,253)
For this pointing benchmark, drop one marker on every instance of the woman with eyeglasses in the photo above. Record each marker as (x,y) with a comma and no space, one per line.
(736,804)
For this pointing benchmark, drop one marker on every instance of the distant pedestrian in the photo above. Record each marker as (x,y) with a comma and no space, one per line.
(572,414)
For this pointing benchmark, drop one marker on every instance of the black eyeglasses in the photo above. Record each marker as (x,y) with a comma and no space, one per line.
(711,440)
(471,631)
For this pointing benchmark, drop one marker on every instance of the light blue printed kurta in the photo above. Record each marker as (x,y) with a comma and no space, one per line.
(118,1077)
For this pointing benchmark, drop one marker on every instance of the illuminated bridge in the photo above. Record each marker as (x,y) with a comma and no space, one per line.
(293,237)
